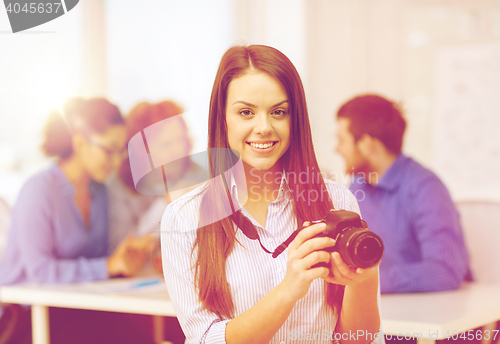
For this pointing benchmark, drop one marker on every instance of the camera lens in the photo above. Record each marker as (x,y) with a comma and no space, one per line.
(361,248)
(368,249)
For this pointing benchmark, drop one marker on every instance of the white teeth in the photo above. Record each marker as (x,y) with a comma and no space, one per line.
(261,145)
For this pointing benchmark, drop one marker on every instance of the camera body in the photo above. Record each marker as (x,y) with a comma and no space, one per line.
(356,244)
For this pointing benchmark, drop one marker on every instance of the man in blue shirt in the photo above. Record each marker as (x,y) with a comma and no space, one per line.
(403,202)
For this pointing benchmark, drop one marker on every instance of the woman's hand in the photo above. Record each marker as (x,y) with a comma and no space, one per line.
(130,255)
(261,322)
(341,273)
(304,252)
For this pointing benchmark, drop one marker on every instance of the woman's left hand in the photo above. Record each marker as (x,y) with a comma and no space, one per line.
(341,273)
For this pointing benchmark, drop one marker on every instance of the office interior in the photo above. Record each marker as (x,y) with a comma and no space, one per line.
(440,59)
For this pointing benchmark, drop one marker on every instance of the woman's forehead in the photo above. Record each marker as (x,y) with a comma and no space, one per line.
(255,87)
(115,135)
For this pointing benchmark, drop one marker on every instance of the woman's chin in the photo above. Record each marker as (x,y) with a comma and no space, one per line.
(264,166)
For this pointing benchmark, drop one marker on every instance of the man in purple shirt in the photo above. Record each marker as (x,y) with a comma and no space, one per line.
(403,202)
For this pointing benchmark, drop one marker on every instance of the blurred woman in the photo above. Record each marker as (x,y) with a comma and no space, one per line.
(127,204)
(59,224)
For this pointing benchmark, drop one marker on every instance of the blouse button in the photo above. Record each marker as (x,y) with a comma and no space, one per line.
(275,210)
(279,269)
(282,342)
(270,239)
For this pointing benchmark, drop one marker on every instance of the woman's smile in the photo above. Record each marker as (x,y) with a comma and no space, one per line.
(262,147)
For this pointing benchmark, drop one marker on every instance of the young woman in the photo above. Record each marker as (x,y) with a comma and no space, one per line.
(59,224)
(224,286)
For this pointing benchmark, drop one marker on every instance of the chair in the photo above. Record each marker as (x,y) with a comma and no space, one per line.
(481,225)
(4,224)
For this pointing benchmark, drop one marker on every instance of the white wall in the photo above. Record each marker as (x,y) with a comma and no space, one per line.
(390,47)
(277,23)
(159,50)
(38,68)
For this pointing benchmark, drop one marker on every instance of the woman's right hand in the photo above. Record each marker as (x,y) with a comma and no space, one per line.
(304,252)
(130,255)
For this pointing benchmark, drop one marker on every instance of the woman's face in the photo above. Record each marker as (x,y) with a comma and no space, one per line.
(170,141)
(258,119)
(102,153)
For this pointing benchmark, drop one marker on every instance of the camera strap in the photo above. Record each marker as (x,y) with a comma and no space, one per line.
(249,230)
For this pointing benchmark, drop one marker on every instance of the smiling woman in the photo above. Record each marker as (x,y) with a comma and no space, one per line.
(237,292)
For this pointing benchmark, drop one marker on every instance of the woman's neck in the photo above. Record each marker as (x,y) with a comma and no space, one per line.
(73,170)
(263,185)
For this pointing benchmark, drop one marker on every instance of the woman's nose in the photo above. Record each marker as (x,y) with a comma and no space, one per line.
(262,124)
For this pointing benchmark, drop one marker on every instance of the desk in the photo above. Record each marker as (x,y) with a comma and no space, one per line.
(434,314)
(428,314)
(99,296)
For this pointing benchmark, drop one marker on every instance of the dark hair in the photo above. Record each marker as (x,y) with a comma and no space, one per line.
(139,118)
(376,116)
(77,115)
(216,241)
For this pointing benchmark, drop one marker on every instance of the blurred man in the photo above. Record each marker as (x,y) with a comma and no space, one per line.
(403,202)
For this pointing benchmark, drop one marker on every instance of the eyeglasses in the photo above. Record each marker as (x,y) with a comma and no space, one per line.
(121,153)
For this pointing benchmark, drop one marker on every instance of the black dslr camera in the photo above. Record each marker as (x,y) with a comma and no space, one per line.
(357,246)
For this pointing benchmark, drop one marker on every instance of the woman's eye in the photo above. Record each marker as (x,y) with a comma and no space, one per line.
(279,113)
(245,113)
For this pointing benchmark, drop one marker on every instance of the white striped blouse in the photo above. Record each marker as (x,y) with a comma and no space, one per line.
(251,272)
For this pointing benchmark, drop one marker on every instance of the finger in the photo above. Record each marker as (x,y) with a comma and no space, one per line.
(140,245)
(149,238)
(128,241)
(336,274)
(331,279)
(319,272)
(145,243)
(315,258)
(311,245)
(307,233)
(344,269)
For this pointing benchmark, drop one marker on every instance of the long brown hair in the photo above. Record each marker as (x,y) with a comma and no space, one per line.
(216,241)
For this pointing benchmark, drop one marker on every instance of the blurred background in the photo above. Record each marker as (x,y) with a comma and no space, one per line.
(439,58)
